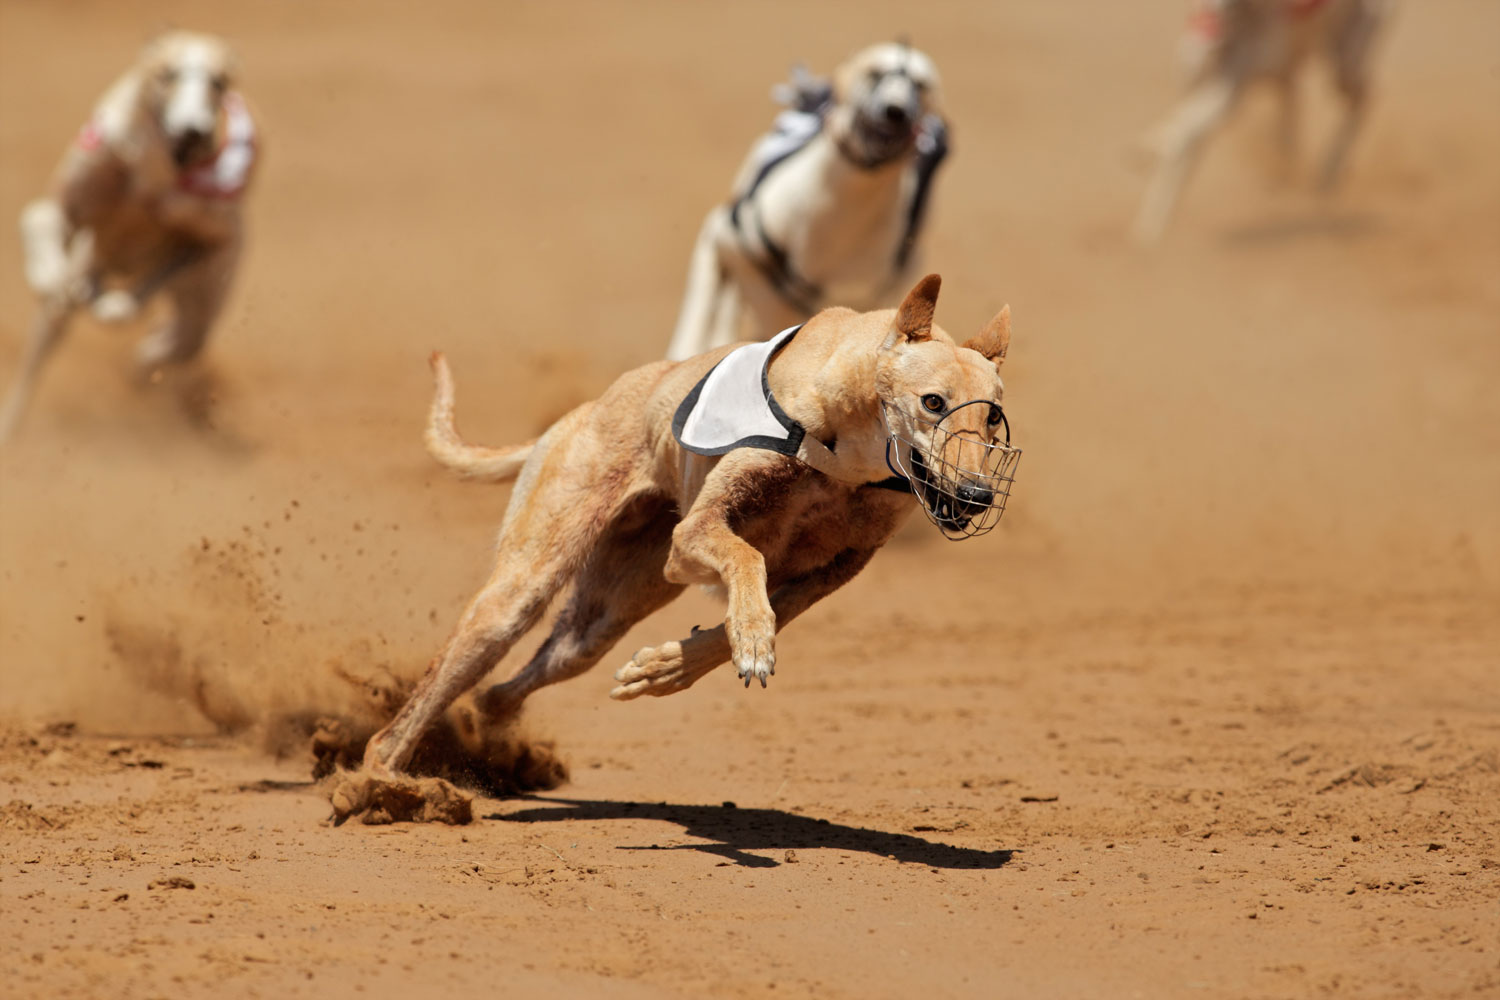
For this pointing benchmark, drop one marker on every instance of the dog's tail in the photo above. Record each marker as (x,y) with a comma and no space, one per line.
(472,461)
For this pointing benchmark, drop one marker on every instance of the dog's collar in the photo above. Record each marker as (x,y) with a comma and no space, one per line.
(732,407)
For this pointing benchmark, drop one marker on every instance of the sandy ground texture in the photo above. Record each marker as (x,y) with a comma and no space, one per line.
(1214,714)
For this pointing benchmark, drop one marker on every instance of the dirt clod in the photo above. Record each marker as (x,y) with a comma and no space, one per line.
(377,801)
(172,882)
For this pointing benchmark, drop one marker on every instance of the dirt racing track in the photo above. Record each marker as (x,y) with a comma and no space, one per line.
(1213,714)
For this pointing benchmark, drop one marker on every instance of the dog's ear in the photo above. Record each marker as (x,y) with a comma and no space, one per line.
(994,340)
(914,318)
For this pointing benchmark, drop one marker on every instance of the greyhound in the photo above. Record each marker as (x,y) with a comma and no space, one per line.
(771,472)
(148,199)
(828,208)
(1230,44)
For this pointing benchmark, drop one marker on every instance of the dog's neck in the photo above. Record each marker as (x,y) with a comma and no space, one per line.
(837,405)
(842,168)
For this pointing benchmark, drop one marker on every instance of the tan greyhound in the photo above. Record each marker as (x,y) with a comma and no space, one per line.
(655,485)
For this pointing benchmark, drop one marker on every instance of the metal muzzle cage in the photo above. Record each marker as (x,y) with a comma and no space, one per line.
(962,482)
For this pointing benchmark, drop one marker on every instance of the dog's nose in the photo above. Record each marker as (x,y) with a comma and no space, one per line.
(192,135)
(977,496)
(896,114)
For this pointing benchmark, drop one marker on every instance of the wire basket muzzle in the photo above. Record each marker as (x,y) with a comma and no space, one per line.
(961,481)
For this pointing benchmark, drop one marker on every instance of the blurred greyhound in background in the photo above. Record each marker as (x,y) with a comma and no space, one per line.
(828,207)
(147,199)
(1232,43)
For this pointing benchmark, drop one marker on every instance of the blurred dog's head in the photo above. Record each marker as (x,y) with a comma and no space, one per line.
(185,78)
(942,406)
(881,97)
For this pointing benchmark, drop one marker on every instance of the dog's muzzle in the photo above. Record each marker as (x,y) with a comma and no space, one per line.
(964,498)
(191,145)
(885,133)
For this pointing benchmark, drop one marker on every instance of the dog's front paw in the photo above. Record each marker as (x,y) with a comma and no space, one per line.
(655,670)
(116,306)
(752,647)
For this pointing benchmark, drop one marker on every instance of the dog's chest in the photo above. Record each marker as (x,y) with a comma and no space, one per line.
(842,234)
(129,240)
(799,520)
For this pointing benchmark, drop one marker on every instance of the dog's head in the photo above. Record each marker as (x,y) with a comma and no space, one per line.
(185,78)
(942,404)
(881,97)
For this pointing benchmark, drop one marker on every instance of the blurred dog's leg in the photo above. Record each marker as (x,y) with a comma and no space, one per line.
(1288,124)
(1182,140)
(43,246)
(46,332)
(1350,55)
(729,317)
(197,286)
(705,277)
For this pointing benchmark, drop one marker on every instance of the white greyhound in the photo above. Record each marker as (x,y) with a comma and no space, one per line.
(147,199)
(827,209)
(1230,44)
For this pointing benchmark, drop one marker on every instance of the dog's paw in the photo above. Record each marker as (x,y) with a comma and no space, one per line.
(116,306)
(655,670)
(753,649)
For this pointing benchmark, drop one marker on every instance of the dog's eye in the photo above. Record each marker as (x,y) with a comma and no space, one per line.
(220,83)
(996,415)
(933,403)
(168,75)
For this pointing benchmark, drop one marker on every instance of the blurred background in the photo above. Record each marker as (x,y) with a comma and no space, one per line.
(1290,394)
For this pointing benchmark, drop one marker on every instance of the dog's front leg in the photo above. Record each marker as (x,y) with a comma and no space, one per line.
(47,330)
(754,294)
(1181,139)
(705,550)
(676,666)
(705,280)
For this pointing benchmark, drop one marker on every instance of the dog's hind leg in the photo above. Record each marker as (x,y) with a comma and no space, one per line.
(1288,126)
(550,528)
(729,316)
(675,666)
(695,320)
(621,584)
(1350,54)
(1181,141)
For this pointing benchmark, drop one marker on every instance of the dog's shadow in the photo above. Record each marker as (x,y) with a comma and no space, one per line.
(1319,225)
(735,832)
